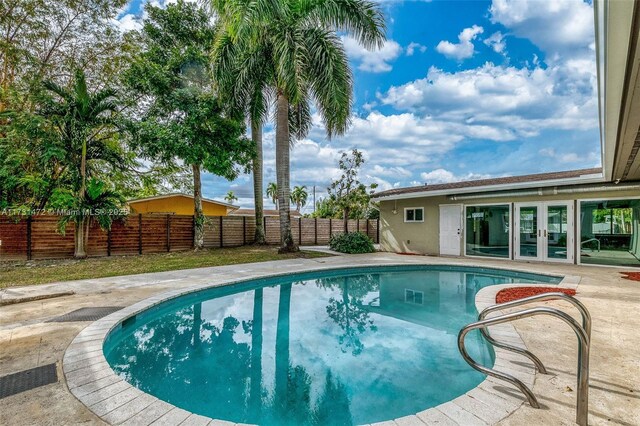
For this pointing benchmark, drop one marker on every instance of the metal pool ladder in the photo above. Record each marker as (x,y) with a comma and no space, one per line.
(583,332)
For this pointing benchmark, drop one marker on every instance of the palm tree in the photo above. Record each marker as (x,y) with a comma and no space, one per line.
(272,192)
(299,196)
(81,119)
(230,197)
(294,46)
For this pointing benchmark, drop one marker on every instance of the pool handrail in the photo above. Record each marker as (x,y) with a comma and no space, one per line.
(583,357)
(586,321)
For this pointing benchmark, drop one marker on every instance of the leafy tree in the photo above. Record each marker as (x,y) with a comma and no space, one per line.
(272,192)
(347,193)
(299,196)
(230,197)
(294,46)
(348,311)
(326,209)
(181,117)
(44,40)
(83,124)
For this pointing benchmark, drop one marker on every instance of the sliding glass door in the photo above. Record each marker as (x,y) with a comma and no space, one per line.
(544,231)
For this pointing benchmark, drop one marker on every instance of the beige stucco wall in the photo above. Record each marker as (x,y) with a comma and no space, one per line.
(423,238)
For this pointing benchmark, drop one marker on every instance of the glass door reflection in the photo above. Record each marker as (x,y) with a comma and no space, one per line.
(528,228)
(557,231)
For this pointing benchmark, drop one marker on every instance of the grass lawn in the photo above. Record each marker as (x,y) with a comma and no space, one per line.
(46,271)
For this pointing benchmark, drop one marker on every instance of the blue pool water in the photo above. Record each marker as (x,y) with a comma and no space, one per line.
(340,347)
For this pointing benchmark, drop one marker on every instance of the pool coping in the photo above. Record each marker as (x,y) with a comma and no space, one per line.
(91,380)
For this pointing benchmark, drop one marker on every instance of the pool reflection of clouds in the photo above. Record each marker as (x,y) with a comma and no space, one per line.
(407,363)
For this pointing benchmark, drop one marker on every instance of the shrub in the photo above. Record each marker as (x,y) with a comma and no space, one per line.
(352,243)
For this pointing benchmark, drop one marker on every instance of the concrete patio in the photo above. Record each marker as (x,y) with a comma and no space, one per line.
(27,341)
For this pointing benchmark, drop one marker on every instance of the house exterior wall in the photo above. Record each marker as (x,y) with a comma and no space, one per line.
(177,205)
(423,238)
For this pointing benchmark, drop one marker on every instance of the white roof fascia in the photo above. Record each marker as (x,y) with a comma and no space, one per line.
(592,178)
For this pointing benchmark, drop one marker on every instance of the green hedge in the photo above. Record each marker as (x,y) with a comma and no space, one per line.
(352,243)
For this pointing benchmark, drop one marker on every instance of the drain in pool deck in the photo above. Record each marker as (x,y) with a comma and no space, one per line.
(87,314)
(27,380)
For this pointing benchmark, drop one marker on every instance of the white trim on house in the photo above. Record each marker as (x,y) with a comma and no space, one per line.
(591,178)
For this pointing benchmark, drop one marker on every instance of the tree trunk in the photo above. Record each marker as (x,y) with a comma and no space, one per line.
(255,393)
(81,236)
(256,135)
(197,325)
(198,234)
(345,218)
(282,173)
(282,348)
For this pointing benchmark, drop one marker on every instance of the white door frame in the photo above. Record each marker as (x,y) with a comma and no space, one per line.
(443,250)
(543,231)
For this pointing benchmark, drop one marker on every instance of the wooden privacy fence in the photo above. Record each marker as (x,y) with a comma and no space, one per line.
(37,237)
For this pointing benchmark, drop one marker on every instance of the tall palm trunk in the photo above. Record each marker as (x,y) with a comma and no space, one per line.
(282,348)
(81,236)
(282,173)
(256,135)
(198,216)
(255,393)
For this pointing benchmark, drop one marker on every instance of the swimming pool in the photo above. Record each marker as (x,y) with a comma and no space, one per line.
(338,347)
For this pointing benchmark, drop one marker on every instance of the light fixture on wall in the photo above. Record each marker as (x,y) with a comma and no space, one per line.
(395,207)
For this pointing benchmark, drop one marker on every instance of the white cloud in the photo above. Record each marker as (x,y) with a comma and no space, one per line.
(445,176)
(570,157)
(464,48)
(413,46)
(376,61)
(496,42)
(128,22)
(511,101)
(560,28)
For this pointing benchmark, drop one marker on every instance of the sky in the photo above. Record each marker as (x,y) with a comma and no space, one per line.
(461,90)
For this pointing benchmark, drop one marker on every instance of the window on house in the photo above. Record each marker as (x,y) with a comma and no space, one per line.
(412,296)
(414,214)
(610,232)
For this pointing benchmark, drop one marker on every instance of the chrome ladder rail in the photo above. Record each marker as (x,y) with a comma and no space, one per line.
(582,332)
(586,322)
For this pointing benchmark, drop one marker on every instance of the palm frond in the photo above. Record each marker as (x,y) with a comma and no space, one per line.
(330,79)
(363,19)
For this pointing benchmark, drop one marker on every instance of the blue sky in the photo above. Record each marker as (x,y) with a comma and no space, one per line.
(461,90)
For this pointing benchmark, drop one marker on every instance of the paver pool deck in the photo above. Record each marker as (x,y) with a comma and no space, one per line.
(28,341)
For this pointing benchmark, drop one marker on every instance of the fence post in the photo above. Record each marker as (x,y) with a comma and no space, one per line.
(358,225)
(378,231)
(29,220)
(330,227)
(244,230)
(264,228)
(168,233)
(109,241)
(221,235)
(300,231)
(315,231)
(368,228)
(140,233)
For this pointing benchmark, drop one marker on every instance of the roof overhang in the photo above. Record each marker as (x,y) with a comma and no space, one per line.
(617,25)
(585,179)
